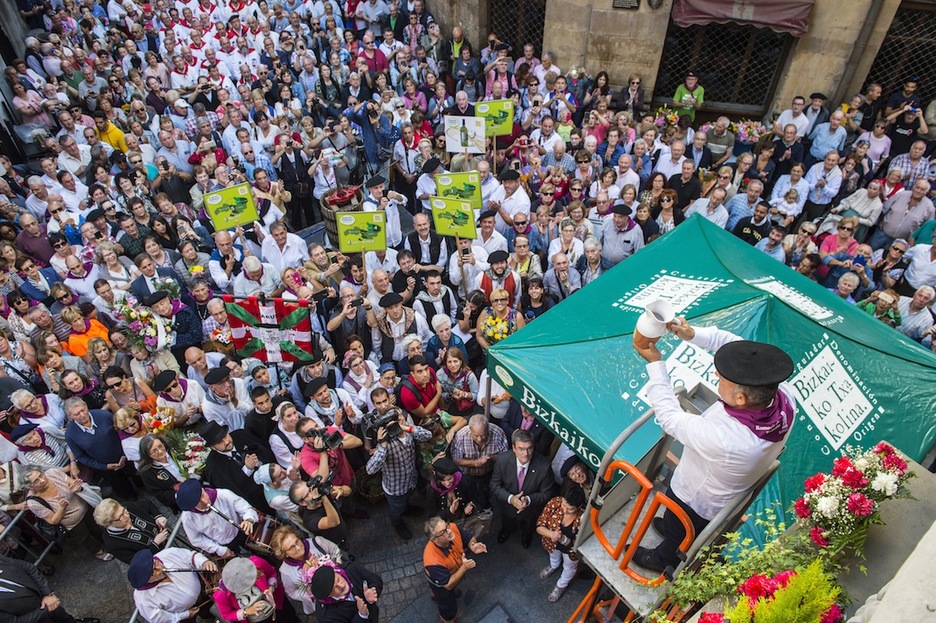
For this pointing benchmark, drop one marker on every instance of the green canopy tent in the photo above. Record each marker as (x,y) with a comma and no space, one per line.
(857,381)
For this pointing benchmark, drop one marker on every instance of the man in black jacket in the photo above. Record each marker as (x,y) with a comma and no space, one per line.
(522,483)
(230,465)
(332,587)
(26,597)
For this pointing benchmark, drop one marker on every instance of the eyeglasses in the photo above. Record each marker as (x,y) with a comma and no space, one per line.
(171,386)
(63,298)
(724,177)
(501,300)
(114,385)
(635,81)
(59,245)
(898,250)
(520,222)
(666,199)
(521,246)
(574,189)
(583,161)
(56,212)
(843,228)
(136,162)
(444,531)
(550,194)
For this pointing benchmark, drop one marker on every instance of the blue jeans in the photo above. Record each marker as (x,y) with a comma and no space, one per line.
(880,240)
(398,504)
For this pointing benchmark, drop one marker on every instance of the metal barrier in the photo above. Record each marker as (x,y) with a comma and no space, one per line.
(44,553)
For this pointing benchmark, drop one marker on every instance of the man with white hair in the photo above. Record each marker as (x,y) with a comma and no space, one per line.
(257,278)
(557,157)
(489,184)
(673,165)
(916,321)
(561,280)
(625,172)
(721,141)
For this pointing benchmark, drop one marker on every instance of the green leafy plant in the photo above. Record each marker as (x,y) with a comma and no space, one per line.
(808,596)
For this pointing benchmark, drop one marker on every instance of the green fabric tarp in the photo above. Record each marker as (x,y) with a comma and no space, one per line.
(857,381)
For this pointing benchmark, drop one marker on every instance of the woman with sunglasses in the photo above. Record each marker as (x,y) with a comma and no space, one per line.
(632,96)
(118,270)
(839,249)
(800,244)
(130,429)
(126,392)
(18,318)
(499,310)
(665,214)
(879,143)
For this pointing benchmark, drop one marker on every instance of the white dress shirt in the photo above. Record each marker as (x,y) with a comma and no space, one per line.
(211,532)
(169,601)
(294,253)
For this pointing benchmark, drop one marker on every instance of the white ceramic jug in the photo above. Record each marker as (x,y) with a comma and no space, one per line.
(651,325)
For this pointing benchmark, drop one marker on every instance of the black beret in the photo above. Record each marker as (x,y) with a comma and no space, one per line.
(217,375)
(377,180)
(314,386)
(154,297)
(498,256)
(444,466)
(509,175)
(501,46)
(753,364)
(389,299)
(213,433)
(141,568)
(95,214)
(163,379)
(431,165)
(818,96)
(487,214)
(21,431)
(621,208)
(323,582)
(189,494)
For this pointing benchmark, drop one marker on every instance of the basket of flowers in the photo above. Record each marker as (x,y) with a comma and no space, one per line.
(160,420)
(495,329)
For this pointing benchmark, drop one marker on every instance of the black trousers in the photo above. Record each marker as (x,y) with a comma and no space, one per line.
(445,602)
(675,532)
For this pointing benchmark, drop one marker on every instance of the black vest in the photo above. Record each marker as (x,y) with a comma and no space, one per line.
(435,248)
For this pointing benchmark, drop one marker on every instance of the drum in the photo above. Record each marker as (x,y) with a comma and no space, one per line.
(211,580)
(262,535)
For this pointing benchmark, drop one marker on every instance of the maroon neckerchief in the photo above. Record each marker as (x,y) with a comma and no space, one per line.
(124,434)
(438,489)
(92,383)
(87,268)
(42,446)
(87,327)
(183,383)
(45,409)
(305,556)
(335,600)
(770,423)
(212,496)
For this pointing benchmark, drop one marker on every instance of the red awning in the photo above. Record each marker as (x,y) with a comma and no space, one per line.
(790,16)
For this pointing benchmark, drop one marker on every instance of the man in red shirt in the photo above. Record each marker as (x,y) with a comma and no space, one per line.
(421,392)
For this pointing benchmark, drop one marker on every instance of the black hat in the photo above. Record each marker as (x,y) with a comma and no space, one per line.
(753,364)
(189,494)
(21,431)
(377,180)
(431,165)
(95,214)
(154,297)
(622,209)
(323,581)
(314,386)
(501,46)
(691,74)
(163,379)
(389,299)
(141,568)
(509,175)
(487,214)
(213,433)
(217,375)
(818,96)
(498,256)
(444,466)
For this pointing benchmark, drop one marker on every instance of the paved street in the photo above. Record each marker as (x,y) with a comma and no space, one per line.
(503,587)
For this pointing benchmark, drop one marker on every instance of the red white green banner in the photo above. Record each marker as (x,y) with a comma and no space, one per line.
(272,330)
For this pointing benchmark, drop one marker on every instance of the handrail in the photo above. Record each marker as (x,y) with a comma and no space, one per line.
(625,540)
(9,528)
(172,536)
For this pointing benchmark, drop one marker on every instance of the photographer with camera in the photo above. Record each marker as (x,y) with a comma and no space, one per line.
(319,514)
(395,457)
(324,457)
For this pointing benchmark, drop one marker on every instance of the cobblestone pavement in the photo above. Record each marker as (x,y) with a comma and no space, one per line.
(503,587)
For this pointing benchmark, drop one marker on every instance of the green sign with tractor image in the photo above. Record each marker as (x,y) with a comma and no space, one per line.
(453,217)
(359,232)
(231,207)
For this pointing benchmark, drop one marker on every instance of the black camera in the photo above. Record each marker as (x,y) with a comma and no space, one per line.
(331,441)
(389,421)
(323,485)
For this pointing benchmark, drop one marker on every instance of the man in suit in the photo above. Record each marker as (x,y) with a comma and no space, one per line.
(231,465)
(333,588)
(143,285)
(38,281)
(700,153)
(522,482)
(26,597)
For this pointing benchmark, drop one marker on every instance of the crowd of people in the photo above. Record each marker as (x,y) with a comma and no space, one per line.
(142,109)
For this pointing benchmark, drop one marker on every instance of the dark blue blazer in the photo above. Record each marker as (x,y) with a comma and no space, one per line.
(34,293)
